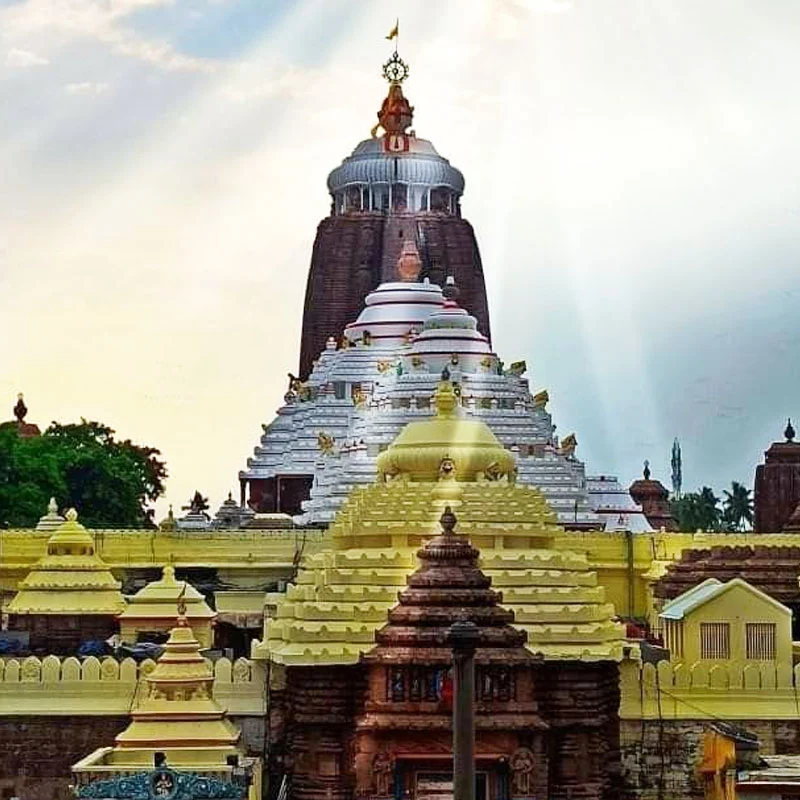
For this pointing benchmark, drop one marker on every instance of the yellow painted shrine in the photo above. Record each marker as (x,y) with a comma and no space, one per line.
(155,606)
(178,717)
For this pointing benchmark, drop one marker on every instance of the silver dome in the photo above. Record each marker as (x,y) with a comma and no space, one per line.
(420,165)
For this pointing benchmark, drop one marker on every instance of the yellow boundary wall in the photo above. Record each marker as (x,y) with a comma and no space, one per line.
(732,691)
(52,686)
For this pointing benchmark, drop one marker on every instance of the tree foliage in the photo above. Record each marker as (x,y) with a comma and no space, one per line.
(83,466)
(701,510)
(738,506)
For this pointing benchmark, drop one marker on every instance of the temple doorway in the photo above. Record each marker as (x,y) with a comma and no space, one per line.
(439,786)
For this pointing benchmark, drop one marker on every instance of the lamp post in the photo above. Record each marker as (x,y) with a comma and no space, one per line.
(463,637)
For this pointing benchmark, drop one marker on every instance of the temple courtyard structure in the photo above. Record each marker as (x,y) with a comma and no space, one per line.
(298,644)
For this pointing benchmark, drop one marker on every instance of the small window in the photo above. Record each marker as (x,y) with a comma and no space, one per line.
(715,640)
(760,638)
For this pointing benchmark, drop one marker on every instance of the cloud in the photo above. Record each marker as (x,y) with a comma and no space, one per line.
(102,20)
(24,58)
(86,87)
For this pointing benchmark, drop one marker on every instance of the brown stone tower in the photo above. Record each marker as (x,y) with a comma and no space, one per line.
(392,188)
(777,489)
(404,733)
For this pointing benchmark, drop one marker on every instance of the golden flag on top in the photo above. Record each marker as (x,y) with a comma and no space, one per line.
(394,32)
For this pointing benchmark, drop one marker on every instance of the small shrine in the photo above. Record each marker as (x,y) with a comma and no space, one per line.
(177,727)
(653,497)
(70,595)
(154,607)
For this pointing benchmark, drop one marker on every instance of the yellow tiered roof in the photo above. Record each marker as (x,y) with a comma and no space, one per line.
(156,605)
(70,579)
(343,595)
(179,716)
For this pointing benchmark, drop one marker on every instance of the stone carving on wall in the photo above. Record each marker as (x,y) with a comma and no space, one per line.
(522,764)
(383,773)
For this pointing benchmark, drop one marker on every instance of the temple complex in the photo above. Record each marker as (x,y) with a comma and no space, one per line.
(411,481)
(395,295)
(564,643)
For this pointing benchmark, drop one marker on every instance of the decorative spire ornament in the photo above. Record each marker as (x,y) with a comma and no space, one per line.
(788,433)
(20,409)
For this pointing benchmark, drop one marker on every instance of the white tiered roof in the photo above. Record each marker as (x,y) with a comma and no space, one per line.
(364,394)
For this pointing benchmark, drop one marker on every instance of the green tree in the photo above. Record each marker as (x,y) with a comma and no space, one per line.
(83,466)
(698,511)
(738,507)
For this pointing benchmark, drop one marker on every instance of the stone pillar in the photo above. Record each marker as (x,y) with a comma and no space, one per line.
(464,638)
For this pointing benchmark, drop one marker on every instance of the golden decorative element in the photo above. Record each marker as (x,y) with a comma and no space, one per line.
(541,399)
(325,443)
(568,445)
(422,448)
(384,366)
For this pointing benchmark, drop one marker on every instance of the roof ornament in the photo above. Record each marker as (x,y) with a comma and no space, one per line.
(788,433)
(20,409)
(448,521)
(396,114)
(646,471)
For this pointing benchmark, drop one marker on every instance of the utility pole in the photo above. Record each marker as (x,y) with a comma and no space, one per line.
(464,639)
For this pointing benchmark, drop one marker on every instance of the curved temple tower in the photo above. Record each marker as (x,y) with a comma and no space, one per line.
(393,188)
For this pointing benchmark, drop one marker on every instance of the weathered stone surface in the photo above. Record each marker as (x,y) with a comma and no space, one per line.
(660,758)
(36,753)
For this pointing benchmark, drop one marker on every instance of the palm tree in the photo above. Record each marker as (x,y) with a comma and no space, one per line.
(738,506)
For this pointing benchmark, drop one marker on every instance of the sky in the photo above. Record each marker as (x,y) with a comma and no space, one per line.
(631,173)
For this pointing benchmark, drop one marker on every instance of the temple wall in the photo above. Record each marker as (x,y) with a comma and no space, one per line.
(257,555)
(53,712)
(732,691)
(64,687)
(37,752)
(660,757)
(252,557)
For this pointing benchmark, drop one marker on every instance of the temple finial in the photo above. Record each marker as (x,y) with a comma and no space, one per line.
(181,606)
(448,521)
(646,471)
(20,409)
(789,432)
